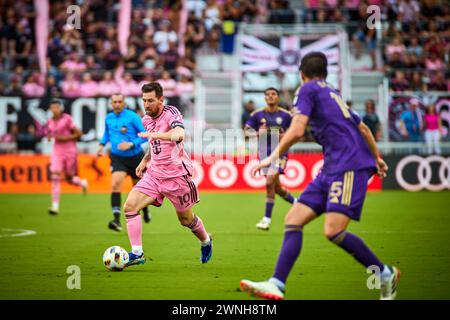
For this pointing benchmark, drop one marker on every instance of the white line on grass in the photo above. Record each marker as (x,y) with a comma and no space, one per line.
(18,232)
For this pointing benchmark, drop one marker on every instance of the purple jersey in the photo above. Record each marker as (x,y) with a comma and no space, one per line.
(335,128)
(276,123)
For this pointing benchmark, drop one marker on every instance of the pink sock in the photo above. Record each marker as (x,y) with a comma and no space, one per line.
(134,227)
(76,181)
(56,189)
(198,229)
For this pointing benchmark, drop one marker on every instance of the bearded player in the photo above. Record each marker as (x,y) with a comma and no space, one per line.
(63,161)
(168,175)
(351,157)
(269,124)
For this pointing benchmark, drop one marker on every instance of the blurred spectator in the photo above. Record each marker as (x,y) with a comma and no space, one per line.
(8,142)
(14,88)
(169,85)
(170,57)
(88,87)
(417,83)
(185,90)
(410,122)
(52,89)
(32,88)
(408,11)
(164,36)
(2,88)
(399,83)
(108,86)
(131,58)
(280,12)
(27,141)
(213,37)
(414,47)
(438,82)
(194,36)
(70,86)
(249,107)
(396,46)
(433,62)
(211,14)
(91,64)
(371,119)
(128,86)
(73,63)
(432,124)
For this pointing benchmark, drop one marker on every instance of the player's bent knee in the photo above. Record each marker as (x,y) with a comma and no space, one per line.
(333,233)
(185,221)
(130,206)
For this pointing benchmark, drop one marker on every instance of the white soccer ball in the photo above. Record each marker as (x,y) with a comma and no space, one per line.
(115,258)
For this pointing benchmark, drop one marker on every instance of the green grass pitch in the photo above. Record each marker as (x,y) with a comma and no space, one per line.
(410,230)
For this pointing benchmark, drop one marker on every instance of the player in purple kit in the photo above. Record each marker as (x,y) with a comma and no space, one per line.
(269,124)
(351,157)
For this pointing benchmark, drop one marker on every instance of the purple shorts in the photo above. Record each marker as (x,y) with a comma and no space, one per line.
(342,192)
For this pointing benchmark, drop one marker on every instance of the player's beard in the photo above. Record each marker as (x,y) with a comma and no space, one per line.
(152,113)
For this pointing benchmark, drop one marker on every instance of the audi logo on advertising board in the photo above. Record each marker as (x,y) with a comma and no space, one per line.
(417,173)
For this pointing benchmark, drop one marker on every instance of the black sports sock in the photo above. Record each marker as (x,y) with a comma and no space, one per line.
(115,205)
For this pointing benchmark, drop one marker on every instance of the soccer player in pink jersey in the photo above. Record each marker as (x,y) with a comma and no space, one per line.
(64,154)
(168,175)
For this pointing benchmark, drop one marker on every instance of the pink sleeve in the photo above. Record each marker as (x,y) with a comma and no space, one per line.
(145,121)
(175,118)
(70,123)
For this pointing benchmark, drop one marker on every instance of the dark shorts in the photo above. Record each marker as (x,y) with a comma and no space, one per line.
(278,166)
(343,192)
(126,164)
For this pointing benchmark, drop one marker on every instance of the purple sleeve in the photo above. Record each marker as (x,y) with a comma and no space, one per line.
(304,103)
(355,117)
(252,122)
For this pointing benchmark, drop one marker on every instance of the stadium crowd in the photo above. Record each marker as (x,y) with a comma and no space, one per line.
(163,46)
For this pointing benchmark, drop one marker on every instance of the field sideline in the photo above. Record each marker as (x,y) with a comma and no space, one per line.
(410,230)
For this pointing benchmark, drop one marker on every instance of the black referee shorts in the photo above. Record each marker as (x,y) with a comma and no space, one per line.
(126,164)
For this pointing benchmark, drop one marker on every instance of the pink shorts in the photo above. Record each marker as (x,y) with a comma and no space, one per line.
(181,191)
(64,163)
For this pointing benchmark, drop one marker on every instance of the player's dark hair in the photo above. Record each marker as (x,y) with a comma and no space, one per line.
(314,65)
(272,89)
(153,87)
(56,101)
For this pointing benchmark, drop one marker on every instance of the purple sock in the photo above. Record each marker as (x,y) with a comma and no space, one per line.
(357,248)
(269,207)
(292,244)
(288,197)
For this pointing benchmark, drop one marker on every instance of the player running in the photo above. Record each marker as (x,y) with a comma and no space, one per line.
(351,157)
(270,124)
(63,160)
(121,130)
(169,174)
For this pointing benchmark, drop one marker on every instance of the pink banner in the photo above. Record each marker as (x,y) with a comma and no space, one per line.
(41,25)
(182,29)
(124,25)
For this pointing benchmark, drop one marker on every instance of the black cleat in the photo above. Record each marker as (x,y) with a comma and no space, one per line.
(52,212)
(147,217)
(115,225)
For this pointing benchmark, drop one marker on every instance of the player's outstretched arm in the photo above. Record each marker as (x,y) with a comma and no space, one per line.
(370,140)
(293,134)
(75,135)
(175,134)
(140,169)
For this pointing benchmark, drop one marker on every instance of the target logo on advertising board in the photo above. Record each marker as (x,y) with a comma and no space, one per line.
(199,174)
(223,174)
(257,181)
(294,174)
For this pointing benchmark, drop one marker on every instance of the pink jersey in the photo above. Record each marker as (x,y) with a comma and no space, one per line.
(432,121)
(168,158)
(62,126)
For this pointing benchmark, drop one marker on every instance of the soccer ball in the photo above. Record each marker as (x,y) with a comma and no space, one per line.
(115,258)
